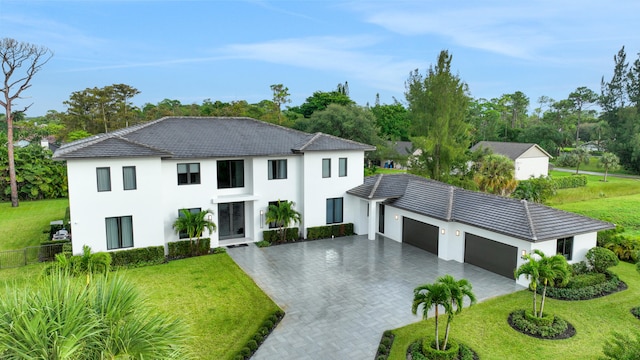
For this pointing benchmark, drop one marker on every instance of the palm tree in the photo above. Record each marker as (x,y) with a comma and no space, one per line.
(432,296)
(609,161)
(60,317)
(582,155)
(282,214)
(458,290)
(496,175)
(547,270)
(194,224)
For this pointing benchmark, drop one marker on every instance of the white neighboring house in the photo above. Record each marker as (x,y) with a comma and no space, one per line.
(489,231)
(126,187)
(529,159)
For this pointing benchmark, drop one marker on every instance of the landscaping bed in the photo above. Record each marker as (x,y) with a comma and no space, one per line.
(610,285)
(415,352)
(556,328)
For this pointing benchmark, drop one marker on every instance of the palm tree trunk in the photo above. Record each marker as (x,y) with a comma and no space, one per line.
(437,334)
(446,334)
(535,301)
(544,293)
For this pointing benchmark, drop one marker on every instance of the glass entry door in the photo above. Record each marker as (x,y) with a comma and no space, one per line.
(231,220)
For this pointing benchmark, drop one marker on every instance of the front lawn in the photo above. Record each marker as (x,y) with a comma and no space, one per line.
(222,305)
(484,326)
(23,226)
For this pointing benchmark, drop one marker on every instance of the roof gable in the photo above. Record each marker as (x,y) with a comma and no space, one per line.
(512,150)
(203,137)
(512,217)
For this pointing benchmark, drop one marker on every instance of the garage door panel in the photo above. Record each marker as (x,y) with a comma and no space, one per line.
(490,255)
(419,234)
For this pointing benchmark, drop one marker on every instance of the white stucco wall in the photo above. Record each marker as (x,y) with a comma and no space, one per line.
(89,208)
(532,162)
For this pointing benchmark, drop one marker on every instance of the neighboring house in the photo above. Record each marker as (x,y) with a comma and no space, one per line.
(404,152)
(488,231)
(126,187)
(529,159)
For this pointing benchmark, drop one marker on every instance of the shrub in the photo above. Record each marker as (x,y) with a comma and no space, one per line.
(273,236)
(151,255)
(587,279)
(382,349)
(535,189)
(546,319)
(187,248)
(636,312)
(219,250)
(263,243)
(381,357)
(622,346)
(587,292)
(245,352)
(252,345)
(569,182)
(520,321)
(579,268)
(268,324)
(600,259)
(450,353)
(324,232)
(465,353)
(386,341)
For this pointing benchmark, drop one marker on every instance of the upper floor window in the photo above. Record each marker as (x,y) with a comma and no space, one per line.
(342,167)
(564,247)
(326,168)
(334,210)
(119,232)
(230,174)
(189,173)
(277,169)
(103,175)
(129,177)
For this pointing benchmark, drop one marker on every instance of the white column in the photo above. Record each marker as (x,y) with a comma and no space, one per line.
(373,220)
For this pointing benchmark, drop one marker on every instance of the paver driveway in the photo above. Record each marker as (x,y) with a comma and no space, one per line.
(340,294)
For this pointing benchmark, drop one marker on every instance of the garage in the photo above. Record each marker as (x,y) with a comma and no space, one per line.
(490,255)
(419,234)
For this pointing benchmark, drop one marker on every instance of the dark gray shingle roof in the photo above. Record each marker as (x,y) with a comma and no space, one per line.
(508,149)
(202,137)
(512,217)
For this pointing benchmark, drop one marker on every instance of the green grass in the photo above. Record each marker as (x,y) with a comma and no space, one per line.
(23,226)
(484,326)
(622,210)
(221,305)
(593,166)
(595,189)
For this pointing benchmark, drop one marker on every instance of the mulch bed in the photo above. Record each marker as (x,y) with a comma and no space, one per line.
(569,332)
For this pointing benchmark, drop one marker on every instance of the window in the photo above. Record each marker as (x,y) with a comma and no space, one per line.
(104,178)
(326,168)
(189,173)
(565,247)
(230,174)
(129,177)
(277,169)
(184,234)
(342,168)
(334,210)
(119,232)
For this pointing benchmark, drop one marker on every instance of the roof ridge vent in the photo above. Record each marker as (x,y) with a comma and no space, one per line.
(450,206)
(375,186)
(315,136)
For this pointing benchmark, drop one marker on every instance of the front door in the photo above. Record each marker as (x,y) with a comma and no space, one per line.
(231,220)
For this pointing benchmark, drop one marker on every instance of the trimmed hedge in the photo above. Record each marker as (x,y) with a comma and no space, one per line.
(415,350)
(450,353)
(151,255)
(324,232)
(585,293)
(258,338)
(569,182)
(519,320)
(273,236)
(384,348)
(186,248)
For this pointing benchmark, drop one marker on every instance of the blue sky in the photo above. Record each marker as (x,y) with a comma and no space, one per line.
(234,50)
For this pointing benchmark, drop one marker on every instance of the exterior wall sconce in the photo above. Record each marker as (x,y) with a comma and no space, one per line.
(209,217)
(457,232)
(524,254)
(261,219)
(396,217)
(442,231)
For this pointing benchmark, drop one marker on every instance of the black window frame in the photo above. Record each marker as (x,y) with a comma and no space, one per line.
(184,234)
(228,177)
(108,185)
(120,232)
(124,178)
(342,170)
(274,168)
(190,177)
(562,245)
(335,217)
(328,174)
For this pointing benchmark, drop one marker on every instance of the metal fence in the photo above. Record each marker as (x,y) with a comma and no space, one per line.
(29,255)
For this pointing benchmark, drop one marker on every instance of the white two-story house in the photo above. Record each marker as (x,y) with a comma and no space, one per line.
(127,187)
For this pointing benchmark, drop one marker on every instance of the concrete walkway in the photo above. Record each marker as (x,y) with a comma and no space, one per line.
(340,294)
